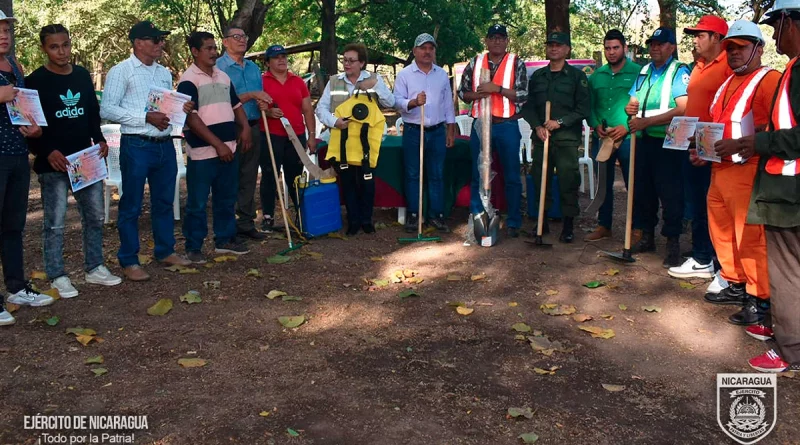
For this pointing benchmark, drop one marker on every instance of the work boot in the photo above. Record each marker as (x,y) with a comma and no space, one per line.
(646,243)
(567,234)
(673,258)
(439,224)
(752,313)
(733,294)
(599,233)
(411,223)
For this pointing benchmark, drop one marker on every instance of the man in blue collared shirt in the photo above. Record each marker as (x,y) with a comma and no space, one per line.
(424,83)
(246,79)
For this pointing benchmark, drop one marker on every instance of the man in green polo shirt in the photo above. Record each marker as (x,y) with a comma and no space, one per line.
(567,89)
(609,86)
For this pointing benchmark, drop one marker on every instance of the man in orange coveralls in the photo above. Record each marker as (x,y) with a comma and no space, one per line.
(742,103)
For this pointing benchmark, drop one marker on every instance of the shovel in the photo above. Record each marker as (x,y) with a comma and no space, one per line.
(537,240)
(625,256)
(486,224)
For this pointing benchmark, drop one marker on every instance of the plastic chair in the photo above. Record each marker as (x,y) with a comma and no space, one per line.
(399,126)
(176,203)
(587,161)
(112,134)
(464,124)
(525,144)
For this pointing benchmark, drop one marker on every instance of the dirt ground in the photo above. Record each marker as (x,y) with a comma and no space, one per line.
(370,367)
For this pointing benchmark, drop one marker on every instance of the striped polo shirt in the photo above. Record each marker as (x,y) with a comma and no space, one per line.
(215,99)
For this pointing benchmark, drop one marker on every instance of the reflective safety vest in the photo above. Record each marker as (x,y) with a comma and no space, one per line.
(739,105)
(339,93)
(656,98)
(505,76)
(361,138)
(783,119)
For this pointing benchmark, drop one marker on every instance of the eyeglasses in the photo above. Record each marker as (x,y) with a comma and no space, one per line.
(155,40)
(497,38)
(239,37)
(346,61)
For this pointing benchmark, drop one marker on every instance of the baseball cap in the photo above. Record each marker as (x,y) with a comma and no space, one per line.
(423,39)
(4,17)
(558,37)
(663,35)
(709,23)
(274,50)
(497,29)
(145,29)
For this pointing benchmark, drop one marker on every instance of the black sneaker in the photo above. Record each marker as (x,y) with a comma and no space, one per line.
(196,257)
(439,224)
(252,234)
(267,224)
(368,228)
(411,223)
(513,232)
(567,234)
(733,294)
(234,248)
(752,313)
(673,258)
(646,244)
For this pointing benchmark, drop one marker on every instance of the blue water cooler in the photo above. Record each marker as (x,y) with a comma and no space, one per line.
(533,198)
(320,209)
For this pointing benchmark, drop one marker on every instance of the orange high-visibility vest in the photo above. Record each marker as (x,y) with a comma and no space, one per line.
(505,77)
(783,119)
(739,105)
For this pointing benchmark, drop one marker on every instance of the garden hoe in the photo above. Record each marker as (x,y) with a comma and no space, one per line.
(625,256)
(537,240)
(419,237)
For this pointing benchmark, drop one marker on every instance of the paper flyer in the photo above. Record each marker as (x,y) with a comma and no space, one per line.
(679,131)
(746,128)
(86,167)
(706,135)
(26,102)
(168,102)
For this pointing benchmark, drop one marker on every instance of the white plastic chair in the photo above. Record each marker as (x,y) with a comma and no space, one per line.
(176,203)
(525,143)
(399,126)
(464,124)
(112,134)
(587,161)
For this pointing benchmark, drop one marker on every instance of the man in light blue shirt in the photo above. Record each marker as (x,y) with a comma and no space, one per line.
(246,79)
(425,83)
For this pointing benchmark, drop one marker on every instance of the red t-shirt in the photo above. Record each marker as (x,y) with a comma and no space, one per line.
(289,98)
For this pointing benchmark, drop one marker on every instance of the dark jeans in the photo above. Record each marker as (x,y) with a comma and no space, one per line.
(659,177)
(623,154)
(359,195)
(154,162)
(55,193)
(505,141)
(15,181)
(222,180)
(435,151)
(285,156)
(248,178)
(698,180)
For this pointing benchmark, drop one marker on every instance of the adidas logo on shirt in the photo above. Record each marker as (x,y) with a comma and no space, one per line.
(71,111)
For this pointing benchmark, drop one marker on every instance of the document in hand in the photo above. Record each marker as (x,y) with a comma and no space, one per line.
(26,102)
(168,102)
(86,167)
(679,131)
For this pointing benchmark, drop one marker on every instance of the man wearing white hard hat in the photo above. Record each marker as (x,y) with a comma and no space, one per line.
(744,97)
(775,199)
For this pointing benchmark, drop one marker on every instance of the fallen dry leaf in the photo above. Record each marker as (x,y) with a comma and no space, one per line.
(551,292)
(613,388)
(521,327)
(611,272)
(580,318)
(464,310)
(558,309)
(224,258)
(191,362)
(598,332)
(525,412)
(512,304)
(273,294)
(651,308)
(161,307)
(376,258)
(622,307)
(478,277)
(292,321)
(686,285)
(452,277)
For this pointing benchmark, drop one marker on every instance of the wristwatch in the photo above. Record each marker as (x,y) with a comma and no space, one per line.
(560,122)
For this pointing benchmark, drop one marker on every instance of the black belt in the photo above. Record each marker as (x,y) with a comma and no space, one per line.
(430,128)
(156,139)
(253,122)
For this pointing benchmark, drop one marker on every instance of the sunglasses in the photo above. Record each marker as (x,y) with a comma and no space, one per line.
(155,40)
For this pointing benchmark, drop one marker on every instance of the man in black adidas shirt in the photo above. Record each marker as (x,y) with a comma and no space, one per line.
(73,116)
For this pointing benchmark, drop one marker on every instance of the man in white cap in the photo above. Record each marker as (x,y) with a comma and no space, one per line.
(741,248)
(425,83)
(775,201)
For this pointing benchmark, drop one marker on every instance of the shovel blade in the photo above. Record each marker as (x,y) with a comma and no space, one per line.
(624,257)
(539,242)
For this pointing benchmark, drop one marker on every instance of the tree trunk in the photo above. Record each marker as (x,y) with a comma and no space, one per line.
(667,15)
(327,53)
(249,17)
(557,15)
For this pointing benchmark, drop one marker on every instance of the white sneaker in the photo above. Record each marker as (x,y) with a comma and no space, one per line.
(6,318)
(27,297)
(692,269)
(101,275)
(717,284)
(65,287)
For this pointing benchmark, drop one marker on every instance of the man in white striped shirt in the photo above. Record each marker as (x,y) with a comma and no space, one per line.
(146,149)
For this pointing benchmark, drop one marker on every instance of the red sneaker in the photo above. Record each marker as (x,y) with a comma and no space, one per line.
(770,361)
(760,332)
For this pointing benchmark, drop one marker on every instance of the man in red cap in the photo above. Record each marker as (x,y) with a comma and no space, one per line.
(708,74)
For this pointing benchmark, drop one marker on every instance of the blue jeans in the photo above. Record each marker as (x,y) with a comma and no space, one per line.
(15,181)
(154,162)
(55,188)
(505,141)
(623,155)
(222,180)
(699,180)
(435,152)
